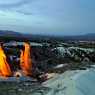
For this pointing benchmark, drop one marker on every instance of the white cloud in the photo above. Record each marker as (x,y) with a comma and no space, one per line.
(45,15)
(5,2)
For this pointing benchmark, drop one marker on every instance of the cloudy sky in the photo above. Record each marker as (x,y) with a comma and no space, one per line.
(56,17)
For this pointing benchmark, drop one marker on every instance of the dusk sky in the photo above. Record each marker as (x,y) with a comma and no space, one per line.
(55,17)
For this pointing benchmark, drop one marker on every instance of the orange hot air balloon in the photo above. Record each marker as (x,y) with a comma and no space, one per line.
(25,60)
(4,66)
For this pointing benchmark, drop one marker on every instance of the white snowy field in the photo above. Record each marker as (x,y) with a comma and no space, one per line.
(79,82)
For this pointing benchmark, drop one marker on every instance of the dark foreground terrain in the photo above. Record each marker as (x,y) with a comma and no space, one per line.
(47,57)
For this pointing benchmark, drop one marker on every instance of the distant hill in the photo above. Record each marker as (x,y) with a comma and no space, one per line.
(6,35)
(12,35)
(89,36)
(9,33)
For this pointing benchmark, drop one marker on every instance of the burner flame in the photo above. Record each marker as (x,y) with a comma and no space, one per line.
(5,70)
(25,60)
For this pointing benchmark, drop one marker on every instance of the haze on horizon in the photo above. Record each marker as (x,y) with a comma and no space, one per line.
(53,17)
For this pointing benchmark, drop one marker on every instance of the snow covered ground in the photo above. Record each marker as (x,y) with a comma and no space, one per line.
(75,82)
(79,82)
